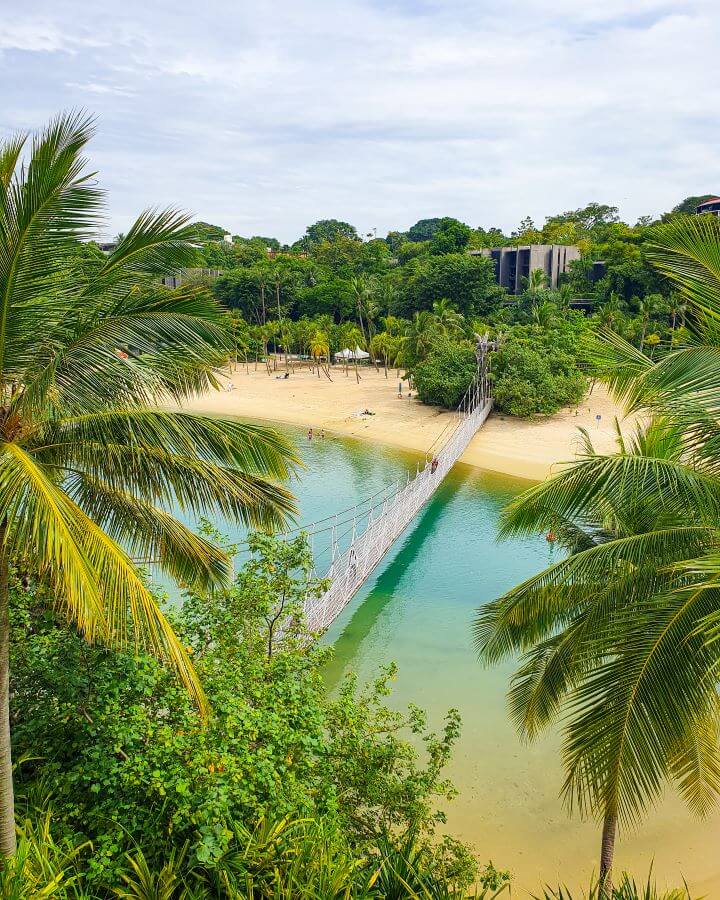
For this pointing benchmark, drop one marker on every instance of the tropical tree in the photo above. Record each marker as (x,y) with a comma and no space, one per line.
(419,336)
(448,319)
(610,312)
(320,350)
(609,635)
(535,284)
(89,464)
(381,345)
(354,340)
(621,637)
(361,292)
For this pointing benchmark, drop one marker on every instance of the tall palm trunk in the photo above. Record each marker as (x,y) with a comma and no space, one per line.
(360,317)
(7,798)
(607,852)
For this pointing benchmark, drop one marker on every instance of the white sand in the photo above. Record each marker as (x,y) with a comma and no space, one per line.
(525,449)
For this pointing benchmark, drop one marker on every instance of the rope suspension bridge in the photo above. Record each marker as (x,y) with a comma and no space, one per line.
(347,546)
(358,539)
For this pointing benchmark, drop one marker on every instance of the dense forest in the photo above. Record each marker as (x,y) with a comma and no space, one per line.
(414,299)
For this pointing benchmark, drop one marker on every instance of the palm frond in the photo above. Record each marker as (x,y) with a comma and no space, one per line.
(151,535)
(687,251)
(50,204)
(158,243)
(96,583)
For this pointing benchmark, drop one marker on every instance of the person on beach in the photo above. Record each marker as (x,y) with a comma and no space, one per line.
(434,465)
(322,432)
(310,434)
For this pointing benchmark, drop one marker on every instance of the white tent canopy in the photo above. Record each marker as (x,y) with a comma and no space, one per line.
(357,353)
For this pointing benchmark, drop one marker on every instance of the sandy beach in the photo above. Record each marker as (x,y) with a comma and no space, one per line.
(524,449)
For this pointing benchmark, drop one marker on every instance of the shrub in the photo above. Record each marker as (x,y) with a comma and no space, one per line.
(442,378)
(531,374)
(130,765)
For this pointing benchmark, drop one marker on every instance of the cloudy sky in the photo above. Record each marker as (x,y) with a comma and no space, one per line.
(264,117)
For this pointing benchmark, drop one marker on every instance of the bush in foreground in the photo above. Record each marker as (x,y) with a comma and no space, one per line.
(116,741)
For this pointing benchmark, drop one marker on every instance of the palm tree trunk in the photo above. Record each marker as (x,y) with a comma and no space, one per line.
(607,852)
(7,798)
(360,317)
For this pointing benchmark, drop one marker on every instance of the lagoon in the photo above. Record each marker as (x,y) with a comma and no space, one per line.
(417,611)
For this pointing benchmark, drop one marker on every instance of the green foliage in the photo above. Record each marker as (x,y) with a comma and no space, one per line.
(42,868)
(444,376)
(626,889)
(535,371)
(465,281)
(689,205)
(204,231)
(618,640)
(424,230)
(131,764)
(328,230)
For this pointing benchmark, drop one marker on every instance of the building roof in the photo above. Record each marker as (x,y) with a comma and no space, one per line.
(709,200)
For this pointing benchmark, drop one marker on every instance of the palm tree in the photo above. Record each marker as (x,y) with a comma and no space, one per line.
(239,331)
(536,283)
(447,318)
(610,311)
(88,464)
(544,313)
(320,350)
(393,325)
(380,346)
(419,336)
(610,634)
(621,637)
(678,308)
(268,332)
(360,290)
(355,341)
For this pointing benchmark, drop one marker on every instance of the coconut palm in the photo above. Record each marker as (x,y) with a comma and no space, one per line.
(89,463)
(448,319)
(381,345)
(536,283)
(360,290)
(354,340)
(419,336)
(610,633)
(648,307)
(620,638)
(610,311)
(320,350)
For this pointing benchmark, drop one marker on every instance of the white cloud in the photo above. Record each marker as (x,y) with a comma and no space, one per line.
(264,118)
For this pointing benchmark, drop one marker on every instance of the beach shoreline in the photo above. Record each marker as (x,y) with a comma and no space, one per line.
(529,449)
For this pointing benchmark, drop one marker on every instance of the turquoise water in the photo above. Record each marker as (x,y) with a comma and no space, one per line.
(417,611)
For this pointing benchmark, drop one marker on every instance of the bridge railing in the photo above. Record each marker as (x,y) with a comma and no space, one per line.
(351,567)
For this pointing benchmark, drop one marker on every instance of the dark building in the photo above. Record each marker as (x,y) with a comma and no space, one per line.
(513,265)
(597,271)
(711,206)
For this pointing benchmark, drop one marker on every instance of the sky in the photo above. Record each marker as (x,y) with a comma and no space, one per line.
(264,117)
